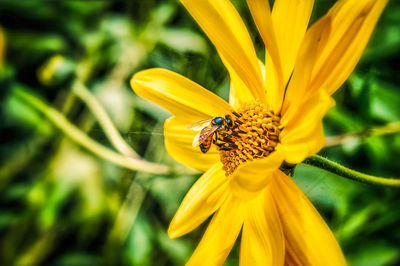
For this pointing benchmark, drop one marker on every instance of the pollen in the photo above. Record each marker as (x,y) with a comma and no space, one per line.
(254,134)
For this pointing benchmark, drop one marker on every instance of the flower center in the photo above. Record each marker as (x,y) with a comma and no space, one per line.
(254,134)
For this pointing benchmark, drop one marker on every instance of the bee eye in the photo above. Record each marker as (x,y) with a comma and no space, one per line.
(218,120)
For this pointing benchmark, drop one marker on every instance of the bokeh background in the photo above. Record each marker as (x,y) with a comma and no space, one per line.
(67,64)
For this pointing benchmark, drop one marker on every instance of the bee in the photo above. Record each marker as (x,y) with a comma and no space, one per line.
(204,138)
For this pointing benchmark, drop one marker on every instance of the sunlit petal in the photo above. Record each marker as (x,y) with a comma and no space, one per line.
(309,241)
(304,135)
(178,142)
(352,24)
(297,148)
(315,38)
(238,91)
(275,89)
(261,13)
(221,234)
(312,110)
(253,176)
(2,46)
(290,19)
(225,28)
(262,241)
(202,200)
(179,95)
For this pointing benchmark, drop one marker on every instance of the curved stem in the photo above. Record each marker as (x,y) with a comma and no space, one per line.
(104,120)
(81,138)
(323,163)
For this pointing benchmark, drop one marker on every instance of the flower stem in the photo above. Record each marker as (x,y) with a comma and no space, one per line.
(333,167)
(81,138)
(104,120)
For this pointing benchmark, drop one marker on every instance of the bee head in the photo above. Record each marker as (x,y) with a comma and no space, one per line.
(228,120)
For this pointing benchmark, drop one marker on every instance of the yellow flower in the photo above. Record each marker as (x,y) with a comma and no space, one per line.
(277,109)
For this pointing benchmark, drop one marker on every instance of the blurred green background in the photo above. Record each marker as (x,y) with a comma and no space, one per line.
(61,203)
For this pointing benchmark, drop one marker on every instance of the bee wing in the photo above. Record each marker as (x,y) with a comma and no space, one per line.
(196,140)
(204,134)
(211,131)
(199,125)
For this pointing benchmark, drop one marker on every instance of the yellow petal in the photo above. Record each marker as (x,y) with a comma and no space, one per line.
(315,38)
(238,91)
(202,200)
(251,177)
(226,30)
(312,110)
(239,94)
(220,235)
(178,142)
(275,89)
(261,13)
(352,24)
(2,46)
(262,241)
(303,134)
(290,19)
(298,148)
(309,241)
(179,95)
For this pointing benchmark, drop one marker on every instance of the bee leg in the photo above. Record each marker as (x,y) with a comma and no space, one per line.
(236,114)
(216,137)
(226,137)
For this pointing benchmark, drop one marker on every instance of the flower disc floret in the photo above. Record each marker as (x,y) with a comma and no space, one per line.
(254,135)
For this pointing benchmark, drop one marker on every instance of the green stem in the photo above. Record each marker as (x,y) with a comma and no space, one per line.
(81,138)
(323,163)
(104,120)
